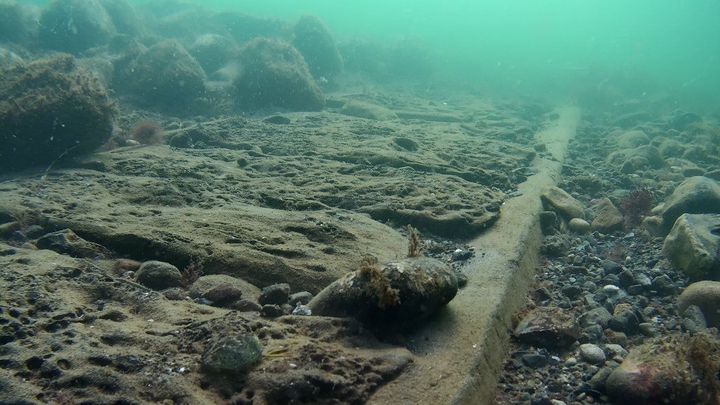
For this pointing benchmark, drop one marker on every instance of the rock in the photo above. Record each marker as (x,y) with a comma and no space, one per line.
(667,371)
(317,46)
(696,195)
(591,353)
(653,225)
(624,319)
(362,109)
(204,284)
(571,291)
(548,327)
(232,355)
(74,25)
(705,295)
(275,74)
(563,203)
(693,320)
(158,275)
(579,225)
(632,160)
(223,295)
(671,148)
(165,77)
(631,139)
(682,120)
(271,311)
(213,51)
(67,242)
(301,310)
(275,294)
(693,246)
(534,360)
(302,297)
(608,218)
(9,58)
(124,17)
(663,284)
(50,109)
(596,316)
(395,295)
(597,382)
(555,246)
(244,305)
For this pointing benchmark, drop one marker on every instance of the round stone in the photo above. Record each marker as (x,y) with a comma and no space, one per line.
(158,275)
(592,353)
(579,225)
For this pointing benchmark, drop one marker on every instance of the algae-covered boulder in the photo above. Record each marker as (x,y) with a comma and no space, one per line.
(395,295)
(317,45)
(213,51)
(165,77)
(124,17)
(50,109)
(678,370)
(75,25)
(274,74)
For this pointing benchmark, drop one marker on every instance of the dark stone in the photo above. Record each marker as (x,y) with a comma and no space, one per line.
(158,275)
(548,327)
(244,305)
(275,294)
(271,311)
(275,75)
(571,291)
(223,295)
(232,355)
(49,109)
(611,267)
(534,360)
(597,316)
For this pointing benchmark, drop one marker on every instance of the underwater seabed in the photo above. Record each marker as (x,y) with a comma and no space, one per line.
(210,207)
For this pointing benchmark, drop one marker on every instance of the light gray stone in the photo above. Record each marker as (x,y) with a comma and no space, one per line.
(693,245)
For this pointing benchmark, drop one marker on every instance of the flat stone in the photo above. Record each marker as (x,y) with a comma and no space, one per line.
(579,225)
(563,203)
(67,242)
(548,327)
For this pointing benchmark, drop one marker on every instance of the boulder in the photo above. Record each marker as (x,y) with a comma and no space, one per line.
(696,195)
(693,245)
(631,139)
(671,148)
(276,294)
(204,284)
(274,74)
(677,370)
(165,77)
(548,327)
(632,160)
(393,296)
(124,17)
(560,201)
(232,355)
(158,275)
(706,296)
(316,44)
(213,51)
(75,25)
(8,58)
(50,109)
(608,218)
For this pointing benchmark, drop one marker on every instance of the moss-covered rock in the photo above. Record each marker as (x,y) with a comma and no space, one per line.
(165,77)
(75,25)
(50,109)
(316,44)
(275,74)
